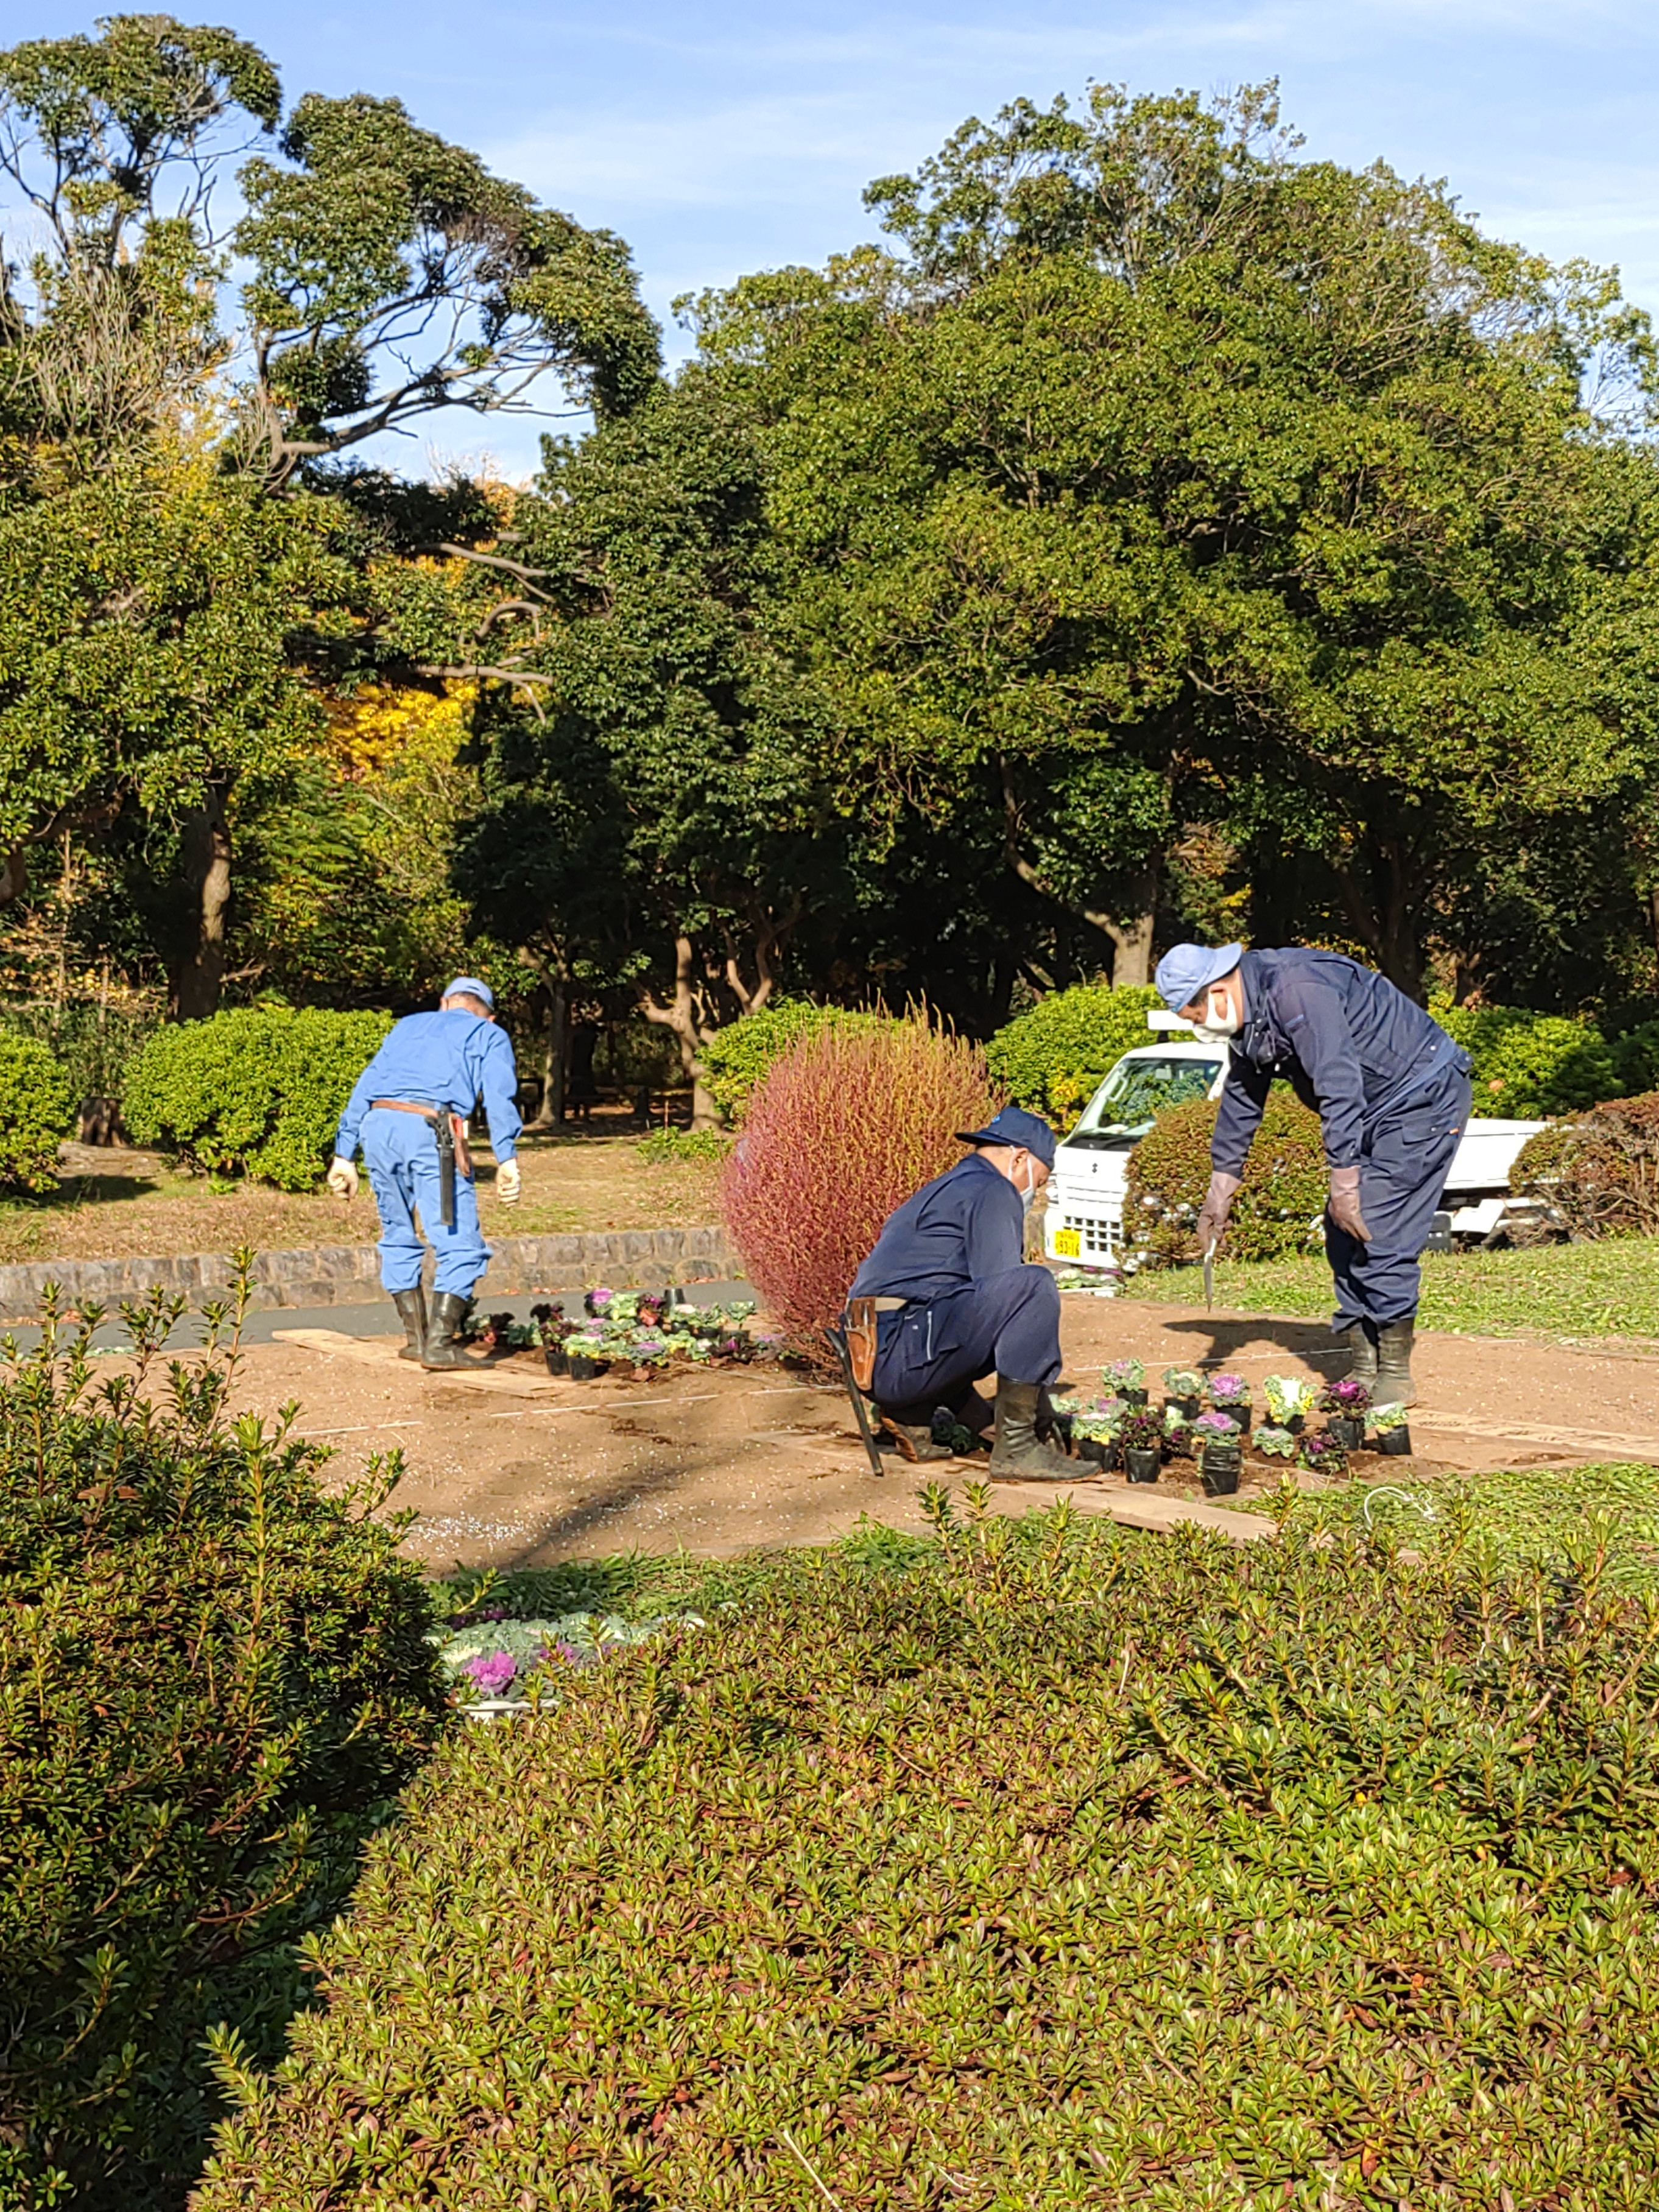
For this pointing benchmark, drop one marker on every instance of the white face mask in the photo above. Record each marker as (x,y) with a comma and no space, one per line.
(1027,1191)
(1222,1022)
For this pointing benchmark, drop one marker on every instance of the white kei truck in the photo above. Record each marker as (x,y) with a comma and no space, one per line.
(1084,1224)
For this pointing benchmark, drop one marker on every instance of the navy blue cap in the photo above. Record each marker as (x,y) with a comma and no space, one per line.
(1014,1126)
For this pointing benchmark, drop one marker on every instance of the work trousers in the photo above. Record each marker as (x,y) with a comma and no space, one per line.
(931,1354)
(1402,1174)
(400,1151)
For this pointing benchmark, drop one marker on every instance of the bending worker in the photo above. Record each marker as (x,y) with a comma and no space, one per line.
(952,1301)
(410,1106)
(1392,1092)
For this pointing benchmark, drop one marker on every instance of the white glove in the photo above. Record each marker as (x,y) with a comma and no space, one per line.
(509,1181)
(342,1177)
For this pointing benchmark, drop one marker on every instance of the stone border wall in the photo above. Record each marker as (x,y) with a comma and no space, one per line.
(349,1275)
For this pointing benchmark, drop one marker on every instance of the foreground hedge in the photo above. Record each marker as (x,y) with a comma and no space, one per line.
(1063,1869)
(212,1676)
(257,1091)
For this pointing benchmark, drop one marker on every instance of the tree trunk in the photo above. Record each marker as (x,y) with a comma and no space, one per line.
(1132,939)
(680,1017)
(200,975)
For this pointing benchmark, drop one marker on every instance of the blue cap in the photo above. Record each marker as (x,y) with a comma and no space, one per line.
(1187,972)
(473,988)
(1014,1126)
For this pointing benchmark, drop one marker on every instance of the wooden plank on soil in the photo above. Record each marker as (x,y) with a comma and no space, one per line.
(1163,1514)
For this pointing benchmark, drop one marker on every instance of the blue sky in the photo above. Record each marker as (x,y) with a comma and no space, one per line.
(723,140)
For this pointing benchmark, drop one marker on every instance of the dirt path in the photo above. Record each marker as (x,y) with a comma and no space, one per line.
(509,1467)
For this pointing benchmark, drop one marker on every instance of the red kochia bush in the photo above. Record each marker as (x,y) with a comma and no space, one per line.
(840,1131)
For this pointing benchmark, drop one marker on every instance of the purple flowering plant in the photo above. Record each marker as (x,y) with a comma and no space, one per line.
(1350,1397)
(1229,1390)
(1322,1455)
(1214,1428)
(491,1672)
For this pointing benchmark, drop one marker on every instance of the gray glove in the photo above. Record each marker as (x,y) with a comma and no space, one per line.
(1343,1204)
(1218,1205)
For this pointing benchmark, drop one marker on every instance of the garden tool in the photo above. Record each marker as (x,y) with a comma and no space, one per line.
(839,1341)
(411,1311)
(1018,1453)
(1209,1274)
(1394,1385)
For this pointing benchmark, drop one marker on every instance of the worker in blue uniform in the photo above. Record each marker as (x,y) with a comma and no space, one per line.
(1392,1092)
(408,1109)
(954,1300)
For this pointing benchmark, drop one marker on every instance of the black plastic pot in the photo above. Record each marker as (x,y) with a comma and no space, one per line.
(1188,1408)
(1092,1448)
(1348,1430)
(1239,1415)
(1218,1470)
(557,1358)
(584,1367)
(1397,1442)
(1133,1397)
(1297,1423)
(1141,1466)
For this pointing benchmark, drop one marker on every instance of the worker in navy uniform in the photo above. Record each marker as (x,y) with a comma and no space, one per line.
(955,1301)
(1392,1092)
(409,1108)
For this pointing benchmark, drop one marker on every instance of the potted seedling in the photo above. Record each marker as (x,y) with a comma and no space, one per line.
(1389,1427)
(1230,1394)
(1126,1379)
(585,1350)
(1344,1404)
(1142,1441)
(597,1304)
(1274,1443)
(1184,1388)
(1220,1450)
(1177,1431)
(1321,1455)
(1289,1401)
(556,1333)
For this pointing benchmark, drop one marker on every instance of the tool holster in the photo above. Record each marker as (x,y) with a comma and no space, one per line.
(860,1332)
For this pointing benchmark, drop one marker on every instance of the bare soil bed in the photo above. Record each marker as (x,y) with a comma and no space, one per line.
(116,1204)
(508,1468)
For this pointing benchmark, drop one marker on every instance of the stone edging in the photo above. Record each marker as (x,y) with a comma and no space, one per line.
(349,1275)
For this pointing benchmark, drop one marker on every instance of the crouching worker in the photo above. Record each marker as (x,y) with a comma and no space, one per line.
(952,1301)
(409,1109)
(1392,1091)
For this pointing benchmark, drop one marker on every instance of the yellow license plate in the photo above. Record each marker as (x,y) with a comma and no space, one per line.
(1068,1243)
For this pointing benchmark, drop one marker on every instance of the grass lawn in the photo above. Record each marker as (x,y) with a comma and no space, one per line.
(132,1205)
(1564,1290)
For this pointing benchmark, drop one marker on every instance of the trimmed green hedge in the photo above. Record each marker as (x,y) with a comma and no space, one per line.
(1284,1190)
(257,1091)
(1062,1866)
(736,1058)
(37,1112)
(214,1672)
(1054,1058)
(1527,1064)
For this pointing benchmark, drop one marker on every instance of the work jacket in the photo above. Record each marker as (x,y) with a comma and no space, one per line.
(1350,1045)
(449,1059)
(965,1225)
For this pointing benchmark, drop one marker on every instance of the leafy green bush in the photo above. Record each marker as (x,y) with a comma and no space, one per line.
(736,1058)
(93,1043)
(1528,1064)
(213,1673)
(256,1092)
(1636,1058)
(1599,1173)
(673,1147)
(1049,1866)
(1053,1057)
(1284,1190)
(37,1112)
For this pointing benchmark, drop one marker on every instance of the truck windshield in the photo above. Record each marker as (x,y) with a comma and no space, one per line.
(1138,1089)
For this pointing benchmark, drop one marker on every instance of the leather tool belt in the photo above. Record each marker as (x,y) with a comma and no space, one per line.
(450,1132)
(860,1328)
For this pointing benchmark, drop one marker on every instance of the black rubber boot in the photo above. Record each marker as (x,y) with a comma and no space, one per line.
(444,1317)
(1361,1337)
(1394,1385)
(914,1439)
(411,1311)
(1018,1454)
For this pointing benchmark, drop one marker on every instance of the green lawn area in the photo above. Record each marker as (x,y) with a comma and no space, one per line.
(1569,1290)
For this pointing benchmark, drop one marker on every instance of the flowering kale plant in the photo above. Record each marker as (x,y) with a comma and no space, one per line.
(1215,1429)
(1350,1397)
(491,1672)
(1277,1443)
(1289,1398)
(1183,1383)
(1120,1374)
(1387,1419)
(1229,1390)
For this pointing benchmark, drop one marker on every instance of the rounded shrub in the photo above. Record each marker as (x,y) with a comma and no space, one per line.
(1046,1866)
(214,1672)
(257,1091)
(1053,1057)
(1600,1172)
(735,1059)
(37,1112)
(1283,1194)
(1529,1064)
(843,1129)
